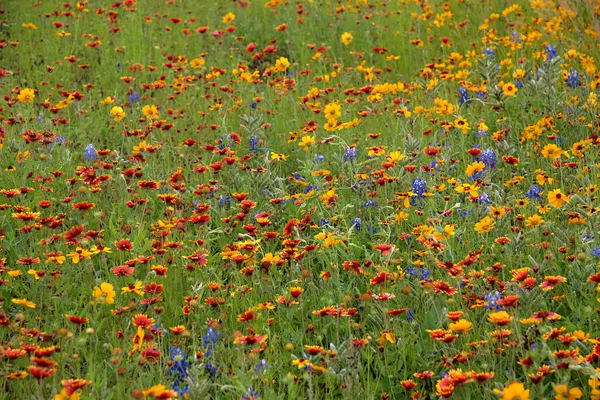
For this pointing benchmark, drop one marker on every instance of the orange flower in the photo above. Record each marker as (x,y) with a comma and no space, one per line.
(500,318)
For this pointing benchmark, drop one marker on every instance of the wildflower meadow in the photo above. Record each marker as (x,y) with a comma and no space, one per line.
(300,199)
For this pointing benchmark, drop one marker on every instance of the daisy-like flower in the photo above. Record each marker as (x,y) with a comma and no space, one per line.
(347,38)
(306,142)
(500,318)
(26,95)
(485,225)
(105,293)
(79,254)
(150,111)
(118,113)
(564,393)
(24,303)
(133,288)
(509,89)
(557,198)
(461,326)
(514,391)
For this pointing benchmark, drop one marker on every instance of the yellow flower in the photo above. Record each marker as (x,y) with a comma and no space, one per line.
(553,151)
(29,26)
(150,112)
(347,38)
(461,326)
(514,391)
(332,111)
(277,156)
(136,288)
(229,18)
(26,95)
(118,113)
(556,198)
(282,64)
(474,168)
(564,393)
(509,89)
(534,220)
(105,293)
(108,100)
(485,225)
(79,254)
(23,302)
(306,142)
(197,63)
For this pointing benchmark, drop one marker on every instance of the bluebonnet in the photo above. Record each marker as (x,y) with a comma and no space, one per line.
(489,52)
(573,79)
(224,201)
(484,198)
(480,133)
(253,105)
(309,188)
(39,119)
(371,230)
(118,66)
(411,270)
(251,395)
(464,95)
(134,97)
(550,52)
(89,153)
(534,192)
(492,299)
(262,366)
(419,187)
(489,158)
(481,95)
(596,251)
(357,223)
(179,369)
(518,84)
(324,222)
(209,340)
(350,154)
(410,316)
(254,144)
(464,213)
(60,140)
(370,203)
(319,158)
(424,274)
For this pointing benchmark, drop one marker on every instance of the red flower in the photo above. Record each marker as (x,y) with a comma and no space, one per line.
(123,245)
(41,373)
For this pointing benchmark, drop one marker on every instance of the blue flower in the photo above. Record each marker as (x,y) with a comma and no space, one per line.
(357,223)
(89,153)
(350,154)
(492,300)
(489,158)
(262,366)
(534,192)
(573,79)
(596,251)
(319,158)
(254,140)
(253,105)
(550,52)
(134,97)
(464,95)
